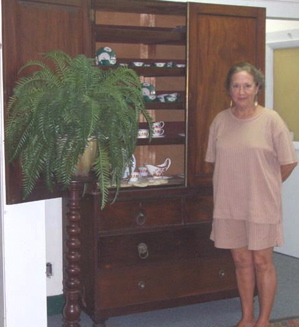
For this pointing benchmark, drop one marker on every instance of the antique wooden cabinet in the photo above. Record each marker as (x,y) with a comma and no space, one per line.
(151,249)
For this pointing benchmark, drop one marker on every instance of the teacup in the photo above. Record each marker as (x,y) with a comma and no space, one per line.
(137,63)
(159,64)
(158,124)
(161,97)
(170,98)
(134,176)
(143,133)
(143,172)
(158,131)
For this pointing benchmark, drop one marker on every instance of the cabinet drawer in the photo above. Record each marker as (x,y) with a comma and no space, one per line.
(154,247)
(198,208)
(166,281)
(145,213)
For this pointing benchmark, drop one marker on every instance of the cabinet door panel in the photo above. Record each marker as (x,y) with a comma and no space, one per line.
(219,37)
(31,28)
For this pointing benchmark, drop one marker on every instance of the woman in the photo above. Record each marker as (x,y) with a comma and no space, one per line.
(252,153)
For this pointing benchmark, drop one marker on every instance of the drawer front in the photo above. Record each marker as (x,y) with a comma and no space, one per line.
(140,214)
(155,247)
(198,208)
(132,285)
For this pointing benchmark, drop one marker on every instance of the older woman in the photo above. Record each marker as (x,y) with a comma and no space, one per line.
(252,153)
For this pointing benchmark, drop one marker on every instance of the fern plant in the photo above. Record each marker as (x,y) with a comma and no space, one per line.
(55,110)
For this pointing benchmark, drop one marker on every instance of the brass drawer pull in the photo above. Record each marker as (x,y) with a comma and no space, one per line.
(140,218)
(141,285)
(221,273)
(143,251)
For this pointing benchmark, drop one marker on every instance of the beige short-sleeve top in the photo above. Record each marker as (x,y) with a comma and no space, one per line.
(247,155)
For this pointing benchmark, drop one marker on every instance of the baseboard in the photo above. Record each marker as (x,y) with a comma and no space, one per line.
(55,304)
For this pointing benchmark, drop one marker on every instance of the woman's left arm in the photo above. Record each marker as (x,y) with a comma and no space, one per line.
(286,170)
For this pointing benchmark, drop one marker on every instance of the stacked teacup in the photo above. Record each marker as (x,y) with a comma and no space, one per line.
(158,130)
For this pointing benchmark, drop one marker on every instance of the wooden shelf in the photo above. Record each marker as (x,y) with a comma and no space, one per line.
(152,71)
(145,7)
(136,34)
(169,139)
(165,105)
(158,72)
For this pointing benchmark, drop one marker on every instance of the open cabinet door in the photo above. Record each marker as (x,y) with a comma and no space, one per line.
(219,36)
(31,28)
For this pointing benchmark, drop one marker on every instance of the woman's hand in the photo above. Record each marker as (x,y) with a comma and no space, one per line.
(286,170)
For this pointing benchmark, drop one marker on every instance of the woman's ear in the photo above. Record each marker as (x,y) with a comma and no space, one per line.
(257,89)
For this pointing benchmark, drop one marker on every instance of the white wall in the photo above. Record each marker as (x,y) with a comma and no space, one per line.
(23,228)
(275,25)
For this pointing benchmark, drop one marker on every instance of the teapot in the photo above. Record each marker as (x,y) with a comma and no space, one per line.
(158,170)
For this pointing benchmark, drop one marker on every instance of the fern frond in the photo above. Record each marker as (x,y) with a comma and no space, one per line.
(102,170)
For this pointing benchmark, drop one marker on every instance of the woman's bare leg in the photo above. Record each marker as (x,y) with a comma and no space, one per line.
(266,284)
(245,275)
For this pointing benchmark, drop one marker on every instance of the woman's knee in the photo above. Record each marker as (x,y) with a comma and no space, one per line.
(242,258)
(262,259)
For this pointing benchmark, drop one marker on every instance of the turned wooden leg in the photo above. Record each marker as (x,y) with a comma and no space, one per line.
(72,284)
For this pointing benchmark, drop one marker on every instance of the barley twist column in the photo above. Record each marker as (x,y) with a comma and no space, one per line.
(72,284)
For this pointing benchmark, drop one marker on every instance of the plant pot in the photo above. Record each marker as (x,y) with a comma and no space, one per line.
(86,161)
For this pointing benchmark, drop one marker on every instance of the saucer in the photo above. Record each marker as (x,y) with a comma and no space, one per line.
(158,177)
(157,181)
(142,137)
(158,136)
(140,184)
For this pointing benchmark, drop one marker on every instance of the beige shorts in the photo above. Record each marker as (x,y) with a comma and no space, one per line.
(234,234)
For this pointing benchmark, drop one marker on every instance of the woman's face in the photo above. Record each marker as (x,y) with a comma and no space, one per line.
(243,90)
